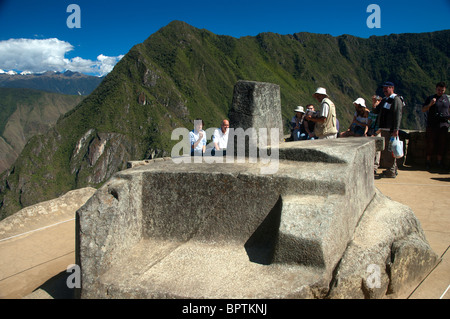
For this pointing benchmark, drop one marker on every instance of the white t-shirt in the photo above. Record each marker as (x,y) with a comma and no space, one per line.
(325,110)
(361,119)
(221,138)
(193,138)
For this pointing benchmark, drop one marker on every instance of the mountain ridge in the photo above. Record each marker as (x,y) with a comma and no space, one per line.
(26,112)
(68,82)
(180,73)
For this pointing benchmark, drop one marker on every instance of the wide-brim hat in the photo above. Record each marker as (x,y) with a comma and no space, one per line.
(299,109)
(360,101)
(321,91)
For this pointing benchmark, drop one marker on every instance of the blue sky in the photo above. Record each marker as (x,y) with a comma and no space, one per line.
(110,28)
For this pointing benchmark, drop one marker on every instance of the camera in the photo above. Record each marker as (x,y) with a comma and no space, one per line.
(312,113)
(443,118)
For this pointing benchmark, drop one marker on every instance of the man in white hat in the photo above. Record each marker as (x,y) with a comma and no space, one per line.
(325,127)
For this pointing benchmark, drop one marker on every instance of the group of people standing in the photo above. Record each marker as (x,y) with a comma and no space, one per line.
(312,125)
(382,120)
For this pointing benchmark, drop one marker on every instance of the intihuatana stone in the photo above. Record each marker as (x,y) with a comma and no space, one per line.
(257,105)
(314,227)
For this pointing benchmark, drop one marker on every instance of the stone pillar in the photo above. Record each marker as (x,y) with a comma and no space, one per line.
(256,107)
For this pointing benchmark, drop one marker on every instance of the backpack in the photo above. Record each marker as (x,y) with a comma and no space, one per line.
(402,99)
(391,100)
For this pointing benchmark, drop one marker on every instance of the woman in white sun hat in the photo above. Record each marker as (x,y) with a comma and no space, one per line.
(359,125)
(297,122)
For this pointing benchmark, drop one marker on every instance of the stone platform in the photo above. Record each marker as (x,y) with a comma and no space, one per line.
(203,230)
(283,225)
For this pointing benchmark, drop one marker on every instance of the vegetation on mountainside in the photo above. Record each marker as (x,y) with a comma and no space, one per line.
(180,73)
(26,112)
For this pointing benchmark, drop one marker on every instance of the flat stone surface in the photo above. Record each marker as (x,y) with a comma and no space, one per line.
(38,242)
(205,270)
(427,195)
(302,215)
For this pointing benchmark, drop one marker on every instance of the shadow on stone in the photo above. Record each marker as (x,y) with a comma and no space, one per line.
(261,244)
(441,179)
(57,288)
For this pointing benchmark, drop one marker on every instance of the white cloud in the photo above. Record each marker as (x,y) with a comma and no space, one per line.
(107,63)
(37,56)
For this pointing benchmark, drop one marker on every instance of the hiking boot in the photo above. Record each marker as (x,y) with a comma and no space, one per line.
(389,174)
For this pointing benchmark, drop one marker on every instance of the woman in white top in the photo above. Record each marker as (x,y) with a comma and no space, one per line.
(359,125)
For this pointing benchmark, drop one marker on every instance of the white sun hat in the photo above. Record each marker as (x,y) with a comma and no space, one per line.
(321,91)
(360,101)
(299,109)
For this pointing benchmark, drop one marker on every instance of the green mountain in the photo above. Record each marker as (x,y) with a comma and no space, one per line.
(180,73)
(24,113)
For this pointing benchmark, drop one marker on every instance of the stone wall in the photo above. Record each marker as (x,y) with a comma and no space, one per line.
(416,151)
(218,230)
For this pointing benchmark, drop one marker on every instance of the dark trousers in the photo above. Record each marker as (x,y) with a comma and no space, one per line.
(436,141)
(222,152)
(385,159)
